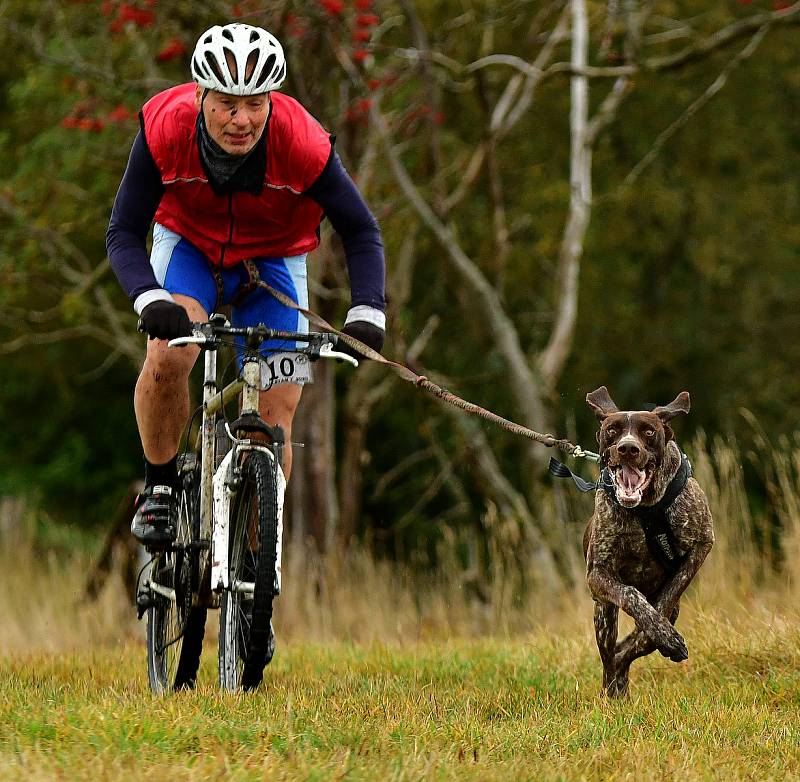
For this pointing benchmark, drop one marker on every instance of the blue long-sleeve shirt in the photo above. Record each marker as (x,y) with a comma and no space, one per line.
(140,193)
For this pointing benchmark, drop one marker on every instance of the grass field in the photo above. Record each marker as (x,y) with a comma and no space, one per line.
(482,710)
(381,674)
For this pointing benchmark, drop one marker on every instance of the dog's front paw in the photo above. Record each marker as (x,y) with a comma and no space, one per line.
(671,644)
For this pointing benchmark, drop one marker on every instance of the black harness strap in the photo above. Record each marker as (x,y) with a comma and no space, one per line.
(653,519)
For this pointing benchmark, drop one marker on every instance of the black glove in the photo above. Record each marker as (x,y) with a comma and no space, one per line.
(368,333)
(165,320)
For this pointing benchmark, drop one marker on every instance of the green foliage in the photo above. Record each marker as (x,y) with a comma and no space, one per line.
(688,276)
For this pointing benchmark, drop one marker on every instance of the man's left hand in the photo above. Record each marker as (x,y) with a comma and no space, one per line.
(368,333)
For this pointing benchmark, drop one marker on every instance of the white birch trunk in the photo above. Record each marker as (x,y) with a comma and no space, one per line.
(558,348)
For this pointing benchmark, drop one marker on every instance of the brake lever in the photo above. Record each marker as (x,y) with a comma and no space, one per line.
(197,338)
(327,351)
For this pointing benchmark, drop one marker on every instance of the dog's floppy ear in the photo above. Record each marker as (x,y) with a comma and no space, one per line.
(678,406)
(601,403)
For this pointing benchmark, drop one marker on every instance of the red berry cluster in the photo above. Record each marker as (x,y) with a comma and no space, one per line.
(244,8)
(84,117)
(358,112)
(139,14)
(363,23)
(173,49)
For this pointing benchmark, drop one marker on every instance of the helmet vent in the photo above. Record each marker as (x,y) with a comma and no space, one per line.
(230,58)
(212,63)
(227,34)
(254,36)
(266,70)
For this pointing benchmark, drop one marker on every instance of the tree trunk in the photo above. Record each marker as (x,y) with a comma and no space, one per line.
(313,508)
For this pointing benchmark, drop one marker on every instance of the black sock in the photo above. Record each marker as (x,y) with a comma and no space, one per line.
(161,474)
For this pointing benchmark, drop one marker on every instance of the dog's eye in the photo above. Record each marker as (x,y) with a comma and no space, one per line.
(649,433)
(611,432)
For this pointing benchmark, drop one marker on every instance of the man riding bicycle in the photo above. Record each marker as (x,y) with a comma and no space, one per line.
(236,178)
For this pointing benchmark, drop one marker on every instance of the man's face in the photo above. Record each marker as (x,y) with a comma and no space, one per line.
(234,122)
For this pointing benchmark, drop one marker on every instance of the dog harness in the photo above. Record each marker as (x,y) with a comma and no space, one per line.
(653,519)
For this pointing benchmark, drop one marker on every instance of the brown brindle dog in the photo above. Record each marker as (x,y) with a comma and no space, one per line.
(625,568)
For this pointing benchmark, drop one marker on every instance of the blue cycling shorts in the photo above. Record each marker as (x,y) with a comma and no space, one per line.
(181,268)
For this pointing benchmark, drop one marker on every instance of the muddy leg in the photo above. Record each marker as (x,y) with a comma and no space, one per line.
(606,616)
(633,646)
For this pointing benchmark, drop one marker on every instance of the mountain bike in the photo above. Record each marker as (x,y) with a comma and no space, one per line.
(227,550)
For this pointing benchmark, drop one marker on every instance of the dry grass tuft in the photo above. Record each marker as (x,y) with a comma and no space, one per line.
(357,598)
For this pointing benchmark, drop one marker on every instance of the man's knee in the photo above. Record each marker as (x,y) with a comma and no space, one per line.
(279,404)
(169,364)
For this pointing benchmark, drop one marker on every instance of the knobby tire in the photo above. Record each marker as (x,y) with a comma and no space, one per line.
(175,630)
(246,644)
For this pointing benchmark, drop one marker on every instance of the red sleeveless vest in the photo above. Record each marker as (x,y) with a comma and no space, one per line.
(227,229)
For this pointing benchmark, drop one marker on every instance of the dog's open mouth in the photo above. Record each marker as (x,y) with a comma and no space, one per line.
(630,483)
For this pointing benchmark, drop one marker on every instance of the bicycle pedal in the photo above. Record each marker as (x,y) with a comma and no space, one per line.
(199,545)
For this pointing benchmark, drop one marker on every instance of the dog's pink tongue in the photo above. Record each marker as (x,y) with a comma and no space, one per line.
(631,478)
(629,486)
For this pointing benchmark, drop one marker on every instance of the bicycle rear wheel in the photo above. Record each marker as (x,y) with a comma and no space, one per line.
(175,627)
(246,640)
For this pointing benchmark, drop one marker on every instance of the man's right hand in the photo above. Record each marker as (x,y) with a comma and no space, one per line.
(165,320)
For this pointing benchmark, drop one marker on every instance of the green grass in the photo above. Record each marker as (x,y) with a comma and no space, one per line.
(483,710)
(376,678)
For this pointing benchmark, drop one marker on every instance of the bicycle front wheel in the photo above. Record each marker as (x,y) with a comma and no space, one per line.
(175,627)
(246,640)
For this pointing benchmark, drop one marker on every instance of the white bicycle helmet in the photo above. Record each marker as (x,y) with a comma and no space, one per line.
(238,59)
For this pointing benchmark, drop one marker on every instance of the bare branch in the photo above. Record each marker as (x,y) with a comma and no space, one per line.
(523,383)
(402,466)
(612,17)
(33,38)
(428,78)
(466,182)
(696,105)
(49,337)
(723,37)
(555,353)
(420,342)
(100,370)
(607,110)
(712,43)
(557,348)
(503,122)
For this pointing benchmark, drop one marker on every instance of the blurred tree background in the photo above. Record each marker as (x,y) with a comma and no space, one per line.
(571,194)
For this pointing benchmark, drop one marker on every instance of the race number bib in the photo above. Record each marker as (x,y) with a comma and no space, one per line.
(285,368)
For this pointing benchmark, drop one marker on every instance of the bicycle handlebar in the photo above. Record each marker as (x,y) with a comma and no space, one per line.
(320,345)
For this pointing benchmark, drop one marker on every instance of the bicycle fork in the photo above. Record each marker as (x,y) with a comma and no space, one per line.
(227,479)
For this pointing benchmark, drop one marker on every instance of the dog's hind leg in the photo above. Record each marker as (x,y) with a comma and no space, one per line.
(606,620)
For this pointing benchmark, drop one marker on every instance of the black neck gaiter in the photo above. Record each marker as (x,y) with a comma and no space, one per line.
(231,173)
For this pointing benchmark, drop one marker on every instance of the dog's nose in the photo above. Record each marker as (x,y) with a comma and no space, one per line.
(628,449)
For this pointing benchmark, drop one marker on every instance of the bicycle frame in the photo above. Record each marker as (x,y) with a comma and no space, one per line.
(218,484)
